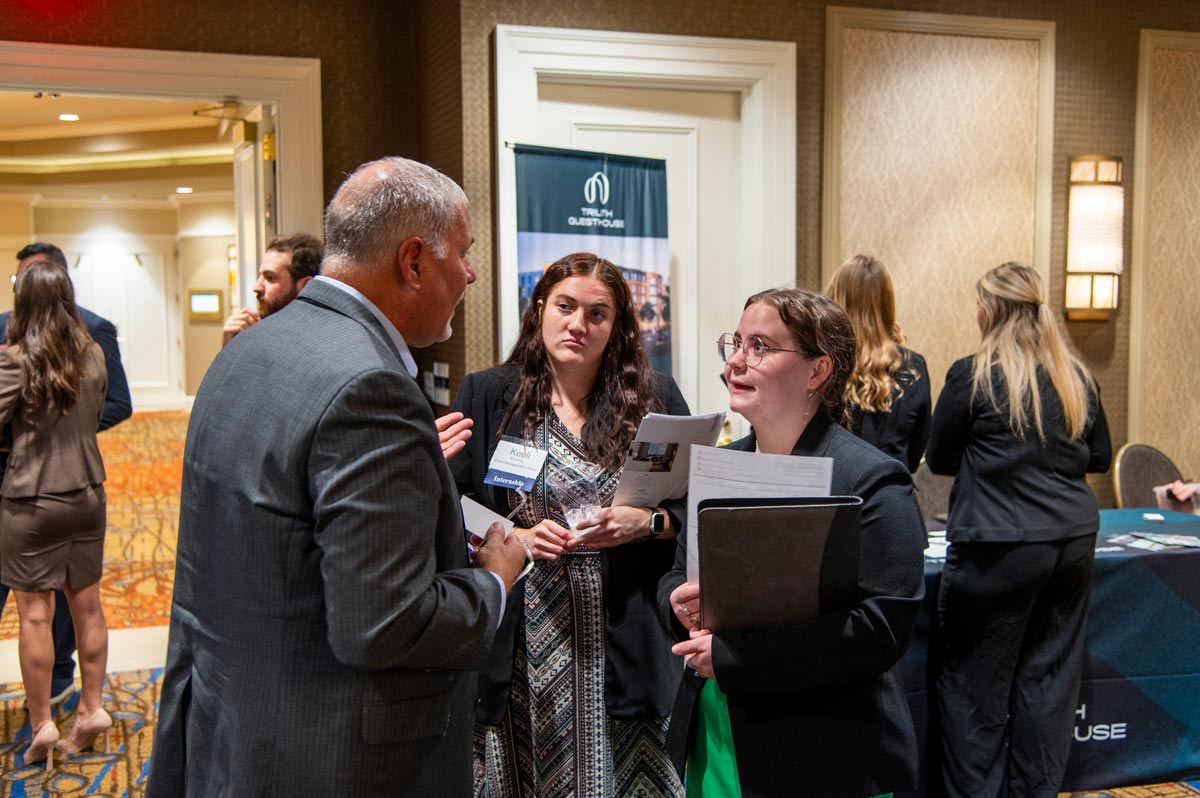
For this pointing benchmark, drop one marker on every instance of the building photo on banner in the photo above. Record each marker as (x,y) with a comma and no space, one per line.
(612,205)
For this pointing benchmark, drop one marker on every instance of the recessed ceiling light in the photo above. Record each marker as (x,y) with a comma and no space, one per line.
(183,189)
(68,117)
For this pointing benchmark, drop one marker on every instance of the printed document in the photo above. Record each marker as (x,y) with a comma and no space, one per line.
(657,467)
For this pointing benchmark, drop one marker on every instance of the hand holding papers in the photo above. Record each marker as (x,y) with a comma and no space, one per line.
(658,463)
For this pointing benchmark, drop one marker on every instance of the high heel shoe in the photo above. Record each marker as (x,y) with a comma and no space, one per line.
(43,744)
(84,732)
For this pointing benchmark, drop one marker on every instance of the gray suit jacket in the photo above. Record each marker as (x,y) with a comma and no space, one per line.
(326,623)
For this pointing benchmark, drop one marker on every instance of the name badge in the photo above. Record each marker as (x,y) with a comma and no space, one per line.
(515,465)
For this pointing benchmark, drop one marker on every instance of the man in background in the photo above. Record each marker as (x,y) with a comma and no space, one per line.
(327,618)
(287,266)
(117,408)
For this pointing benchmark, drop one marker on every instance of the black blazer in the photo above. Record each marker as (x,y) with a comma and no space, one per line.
(818,709)
(902,431)
(641,674)
(1008,488)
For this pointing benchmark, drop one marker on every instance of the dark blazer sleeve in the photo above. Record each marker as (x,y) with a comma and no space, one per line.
(857,643)
(1098,441)
(921,400)
(951,421)
(671,580)
(117,404)
(379,492)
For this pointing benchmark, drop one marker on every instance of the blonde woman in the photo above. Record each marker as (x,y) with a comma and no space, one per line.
(888,393)
(1018,424)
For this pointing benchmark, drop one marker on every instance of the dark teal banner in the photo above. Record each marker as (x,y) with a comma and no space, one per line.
(590,193)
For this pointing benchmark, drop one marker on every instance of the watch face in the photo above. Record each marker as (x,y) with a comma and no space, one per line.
(656,523)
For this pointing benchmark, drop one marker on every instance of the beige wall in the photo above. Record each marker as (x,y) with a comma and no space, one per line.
(16,230)
(205,268)
(938,154)
(1171,318)
(206,229)
(55,221)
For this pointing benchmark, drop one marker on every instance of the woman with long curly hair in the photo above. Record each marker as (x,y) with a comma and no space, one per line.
(575,699)
(52,502)
(888,393)
(1018,424)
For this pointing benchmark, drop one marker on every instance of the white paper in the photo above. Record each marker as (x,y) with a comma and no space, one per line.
(731,474)
(477,518)
(657,467)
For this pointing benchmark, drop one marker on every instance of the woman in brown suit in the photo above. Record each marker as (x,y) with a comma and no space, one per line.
(52,503)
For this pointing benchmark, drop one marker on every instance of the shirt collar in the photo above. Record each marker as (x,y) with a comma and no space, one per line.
(397,339)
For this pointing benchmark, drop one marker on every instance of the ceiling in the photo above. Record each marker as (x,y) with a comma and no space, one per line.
(130,149)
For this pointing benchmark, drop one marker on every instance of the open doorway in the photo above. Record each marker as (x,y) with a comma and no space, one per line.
(251,109)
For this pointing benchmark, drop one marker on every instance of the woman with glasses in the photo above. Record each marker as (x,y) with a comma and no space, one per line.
(575,699)
(1018,424)
(52,502)
(814,708)
(888,393)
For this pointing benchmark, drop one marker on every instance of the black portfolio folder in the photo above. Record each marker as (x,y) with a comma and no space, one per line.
(768,562)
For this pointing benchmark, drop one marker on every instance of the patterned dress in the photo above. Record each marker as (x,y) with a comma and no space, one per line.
(556,739)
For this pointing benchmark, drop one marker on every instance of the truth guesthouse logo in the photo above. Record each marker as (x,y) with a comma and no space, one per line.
(596,188)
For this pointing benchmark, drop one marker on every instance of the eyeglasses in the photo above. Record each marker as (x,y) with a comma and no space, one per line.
(752,348)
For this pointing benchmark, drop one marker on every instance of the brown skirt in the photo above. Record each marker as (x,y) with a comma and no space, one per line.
(53,540)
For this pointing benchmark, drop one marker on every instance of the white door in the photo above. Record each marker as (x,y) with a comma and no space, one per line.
(135,291)
(698,133)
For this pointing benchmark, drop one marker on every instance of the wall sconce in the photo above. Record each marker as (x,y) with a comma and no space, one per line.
(1095,237)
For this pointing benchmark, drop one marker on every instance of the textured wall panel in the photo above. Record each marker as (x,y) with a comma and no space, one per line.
(938,151)
(1172,264)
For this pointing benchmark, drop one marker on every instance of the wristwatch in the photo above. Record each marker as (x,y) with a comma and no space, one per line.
(658,521)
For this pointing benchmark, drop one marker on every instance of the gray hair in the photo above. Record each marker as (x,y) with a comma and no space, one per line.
(385,202)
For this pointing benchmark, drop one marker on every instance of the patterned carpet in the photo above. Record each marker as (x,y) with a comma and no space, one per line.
(143,457)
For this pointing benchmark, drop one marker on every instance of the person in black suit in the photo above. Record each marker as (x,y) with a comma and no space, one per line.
(888,393)
(816,708)
(117,407)
(1018,424)
(576,385)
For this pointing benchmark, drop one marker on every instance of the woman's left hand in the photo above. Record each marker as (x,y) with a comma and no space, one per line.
(697,653)
(613,526)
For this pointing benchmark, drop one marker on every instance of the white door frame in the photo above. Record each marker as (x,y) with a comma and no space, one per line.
(763,72)
(292,84)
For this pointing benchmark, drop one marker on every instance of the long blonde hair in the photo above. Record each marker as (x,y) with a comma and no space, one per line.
(1020,333)
(862,286)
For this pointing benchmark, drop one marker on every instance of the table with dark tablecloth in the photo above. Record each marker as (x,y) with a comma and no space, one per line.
(1138,715)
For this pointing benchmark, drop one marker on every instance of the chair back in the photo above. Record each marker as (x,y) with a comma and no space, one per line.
(1138,469)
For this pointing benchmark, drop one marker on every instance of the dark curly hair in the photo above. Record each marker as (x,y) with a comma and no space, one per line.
(819,327)
(620,395)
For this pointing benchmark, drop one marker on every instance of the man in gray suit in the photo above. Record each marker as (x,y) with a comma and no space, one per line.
(326,618)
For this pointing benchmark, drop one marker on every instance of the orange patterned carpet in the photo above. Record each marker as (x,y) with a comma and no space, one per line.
(144,461)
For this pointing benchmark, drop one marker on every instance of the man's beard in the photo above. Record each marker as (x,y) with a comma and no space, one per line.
(266,308)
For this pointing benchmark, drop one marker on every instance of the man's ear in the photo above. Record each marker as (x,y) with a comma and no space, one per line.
(408,261)
(303,281)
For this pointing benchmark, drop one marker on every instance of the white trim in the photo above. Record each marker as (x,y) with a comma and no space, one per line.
(838,19)
(763,72)
(1150,42)
(294,84)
